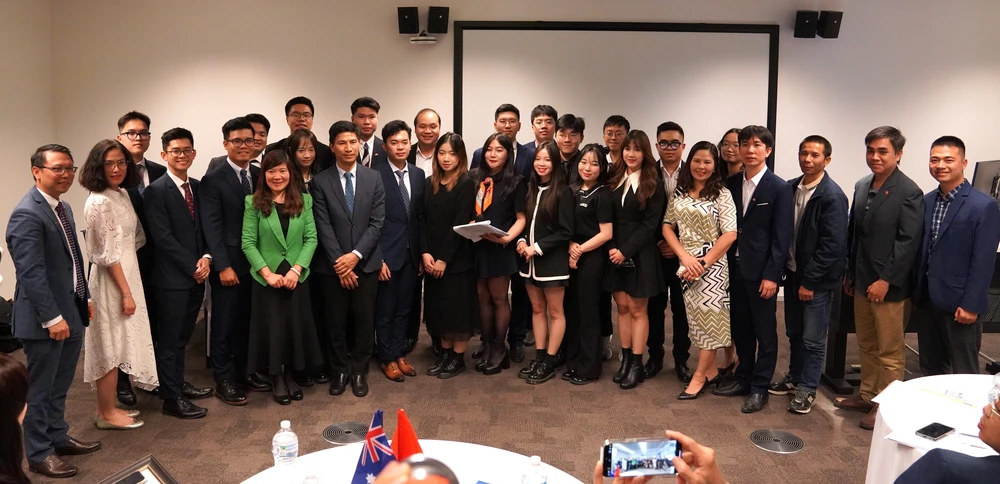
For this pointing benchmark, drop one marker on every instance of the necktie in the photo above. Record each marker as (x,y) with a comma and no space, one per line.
(364,158)
(142,179)
(189,198)
(485,196)
(402,187)
(74,250)
(245,181)
(349,192)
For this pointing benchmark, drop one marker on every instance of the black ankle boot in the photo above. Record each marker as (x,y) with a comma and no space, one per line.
(532,365)
(544,372)
(442,360)
(454,366)
(634,374)
(485,357)
(280,390)
(626,362)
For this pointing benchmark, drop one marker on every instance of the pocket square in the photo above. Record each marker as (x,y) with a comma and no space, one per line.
(762,204)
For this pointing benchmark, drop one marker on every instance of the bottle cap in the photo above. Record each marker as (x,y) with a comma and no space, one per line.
(536,461)
(285,424)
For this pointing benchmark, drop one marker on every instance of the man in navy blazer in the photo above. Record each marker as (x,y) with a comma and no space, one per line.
(50,310)
(364,115)
(817,258)
(543,125)
(404,194)
(757,262)
(507,120)
(955,265)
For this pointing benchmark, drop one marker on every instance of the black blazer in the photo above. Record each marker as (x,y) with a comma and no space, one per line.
(522,163)
(145,255)
(340,232)
(821,240)
(221,210)
(635,228)
(551,236)
(178,237)
(442,211)
(324,156)
(399,237)
(765,232)
(885,240)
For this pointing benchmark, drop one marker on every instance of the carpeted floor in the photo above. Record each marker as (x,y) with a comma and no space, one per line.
(562,423)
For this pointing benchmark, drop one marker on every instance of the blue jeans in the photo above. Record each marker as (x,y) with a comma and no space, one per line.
(806,324)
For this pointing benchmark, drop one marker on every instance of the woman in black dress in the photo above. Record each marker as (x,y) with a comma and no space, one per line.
(635,273)
(588,261)
(544,251)
(301,148)
(500,199)
(450,282)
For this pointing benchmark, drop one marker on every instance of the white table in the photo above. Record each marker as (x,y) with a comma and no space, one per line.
(907,406)
(470,462)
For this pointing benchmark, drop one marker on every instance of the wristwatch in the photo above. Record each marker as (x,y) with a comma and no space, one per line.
(702,262)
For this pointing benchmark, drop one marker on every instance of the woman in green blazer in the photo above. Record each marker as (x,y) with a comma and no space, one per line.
(279,238)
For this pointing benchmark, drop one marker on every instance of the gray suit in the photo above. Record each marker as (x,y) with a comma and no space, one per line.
(45,290)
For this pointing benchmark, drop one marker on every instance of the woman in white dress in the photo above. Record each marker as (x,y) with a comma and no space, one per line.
(119,336)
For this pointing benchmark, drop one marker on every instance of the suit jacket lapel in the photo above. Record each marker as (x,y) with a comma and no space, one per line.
(338,190)
(47,210)
(275,224)
(860,196)
(764,180)
(887,188)
(178,200)
(415,184)
(956,204)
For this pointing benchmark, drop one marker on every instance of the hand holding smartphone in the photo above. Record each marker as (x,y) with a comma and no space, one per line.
(640,457)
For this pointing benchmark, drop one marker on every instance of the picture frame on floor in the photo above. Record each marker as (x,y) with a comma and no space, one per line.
(147,470)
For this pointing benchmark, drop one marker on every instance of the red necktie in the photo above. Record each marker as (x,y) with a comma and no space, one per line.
(189,198)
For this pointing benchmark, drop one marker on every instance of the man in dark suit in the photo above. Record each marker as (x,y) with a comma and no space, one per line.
(427,127)
(300,114)
(941,466)
(133,132)
(615,129)
(886,223)
(817,258)
(569,136)
(364,115)
(404,196)
(349,206)
(507,120)
(955,265)
(181,266)
(757,260)
(51,309)
(222,202)
(543,125)
(261,127)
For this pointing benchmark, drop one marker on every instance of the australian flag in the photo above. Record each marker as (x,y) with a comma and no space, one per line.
(376,453)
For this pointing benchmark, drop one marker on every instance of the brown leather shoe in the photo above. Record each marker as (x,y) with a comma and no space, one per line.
(54,467)
(406,367)
(77,447)
(868,421)
(855,403)
(391,371)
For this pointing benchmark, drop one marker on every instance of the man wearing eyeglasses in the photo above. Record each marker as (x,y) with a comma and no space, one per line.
(133,132)
(615,129)
(300,114)
(949,467)
(543,124)
(261,126)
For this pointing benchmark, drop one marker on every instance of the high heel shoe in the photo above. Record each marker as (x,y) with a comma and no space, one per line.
(294,391)
(691,396)
(495,369)
(102,424)
(280,390)
(634,375)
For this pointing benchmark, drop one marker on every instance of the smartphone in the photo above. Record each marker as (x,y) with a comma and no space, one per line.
(935,431)
(640,457)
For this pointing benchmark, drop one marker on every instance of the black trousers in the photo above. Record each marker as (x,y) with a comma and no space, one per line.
(754,327)
(177,313)
(230,327)
(392,312)
(656,310)
(583,318)
(520,311)
(607,326)
(354,316)
(947,346)
(51,366)
(321,306)
(413,327)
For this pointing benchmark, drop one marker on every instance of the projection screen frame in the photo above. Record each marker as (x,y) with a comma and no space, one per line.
(771,30)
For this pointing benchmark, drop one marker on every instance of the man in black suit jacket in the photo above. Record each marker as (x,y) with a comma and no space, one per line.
(261,127)
(764,216)
(404,195)
(181,266)
(349,206)
(364,115)
(507,121)
(815,268)
(427,127)
(569,136)
(884,234)
(222,203)
(543,125)
(300,114)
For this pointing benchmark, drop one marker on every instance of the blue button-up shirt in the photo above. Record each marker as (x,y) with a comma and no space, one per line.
(941,209)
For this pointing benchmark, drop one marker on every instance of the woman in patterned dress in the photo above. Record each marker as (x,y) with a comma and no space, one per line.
(703,211)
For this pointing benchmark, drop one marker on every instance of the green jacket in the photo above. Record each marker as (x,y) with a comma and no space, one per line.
(266,245)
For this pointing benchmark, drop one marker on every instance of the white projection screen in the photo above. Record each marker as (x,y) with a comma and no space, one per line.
(706,77)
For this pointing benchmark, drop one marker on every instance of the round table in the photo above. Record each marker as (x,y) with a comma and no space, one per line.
(470,462)
(907,406)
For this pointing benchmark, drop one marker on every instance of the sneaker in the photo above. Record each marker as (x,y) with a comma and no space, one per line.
(606,352)
(803,402)
(783,387)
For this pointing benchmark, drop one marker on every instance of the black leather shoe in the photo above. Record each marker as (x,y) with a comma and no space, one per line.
(543,372)
(230,394)
(517,352)
(321,377)
(497,368)
(525,372)
(454,366)
(182,408)
(684,373)
(580,380)
(359,385)
(293,389)
(126,396)
(652,368)
(568,375)
(192,392)
(411,343)
(623,369)
(634,375)
(481,365)
(54,467)
(691,396)
(338,384)
(754,403)
(256,383)
(478,352)
(77,447)
(731,388)
(303,379)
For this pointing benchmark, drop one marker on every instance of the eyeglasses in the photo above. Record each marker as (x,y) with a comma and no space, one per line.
(60,170)
(132,135)
(241,142)
(727,145)
(116,164)
(178,153)
(669,145)
(300,115)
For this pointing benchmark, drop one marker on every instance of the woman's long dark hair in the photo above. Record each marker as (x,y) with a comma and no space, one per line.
(602,176)
(13,395)
(557,180)
(458,146)
(92,175)
(648,173)
(713,186)
(292,146)
(263,197)
(506,172)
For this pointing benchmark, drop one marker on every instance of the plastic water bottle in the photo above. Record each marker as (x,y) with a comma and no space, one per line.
(995,392)
(534,474)
(285,445)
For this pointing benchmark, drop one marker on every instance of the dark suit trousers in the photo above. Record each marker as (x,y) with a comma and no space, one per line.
(754,326)
(607,326)
(413,326)
(51,367)
(947,346)
(392,312)
(583,318)
(321,306)
(177,313)
(520,311)
(354,316)
(230,327)
(656,310)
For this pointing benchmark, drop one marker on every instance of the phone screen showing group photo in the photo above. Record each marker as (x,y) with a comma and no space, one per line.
(643,458)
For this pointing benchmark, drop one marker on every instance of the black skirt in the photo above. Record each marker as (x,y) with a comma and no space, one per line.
(495,260)
(451,303)
(640,279)
(282,332)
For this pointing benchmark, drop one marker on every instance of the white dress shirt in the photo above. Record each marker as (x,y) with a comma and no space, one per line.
(670,179)
(749,187)
(354,182)
(406,178)
(237,169)
(53,203)
(371,151)
(177,181)
(425,163)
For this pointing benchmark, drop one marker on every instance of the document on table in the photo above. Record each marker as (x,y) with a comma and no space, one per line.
(476,230)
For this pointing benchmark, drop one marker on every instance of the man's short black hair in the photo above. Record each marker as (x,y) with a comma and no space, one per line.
(952,141)
(827,147)
(669,126)
(132,116)
(299,100)
(424,111)
(507,108)
(570,122)
(544,110)
(364,102)
(174,134)
(235,124)
(259,119)
(617,121)
(39,157)
(392,128)
(343,127)
(754,131)
(895,137)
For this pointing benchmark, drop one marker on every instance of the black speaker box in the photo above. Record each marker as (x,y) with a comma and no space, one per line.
(409,21)
(829,24)
(805,24)
(437,20)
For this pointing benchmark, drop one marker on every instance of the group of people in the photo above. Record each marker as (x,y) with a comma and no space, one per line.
(319,255)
